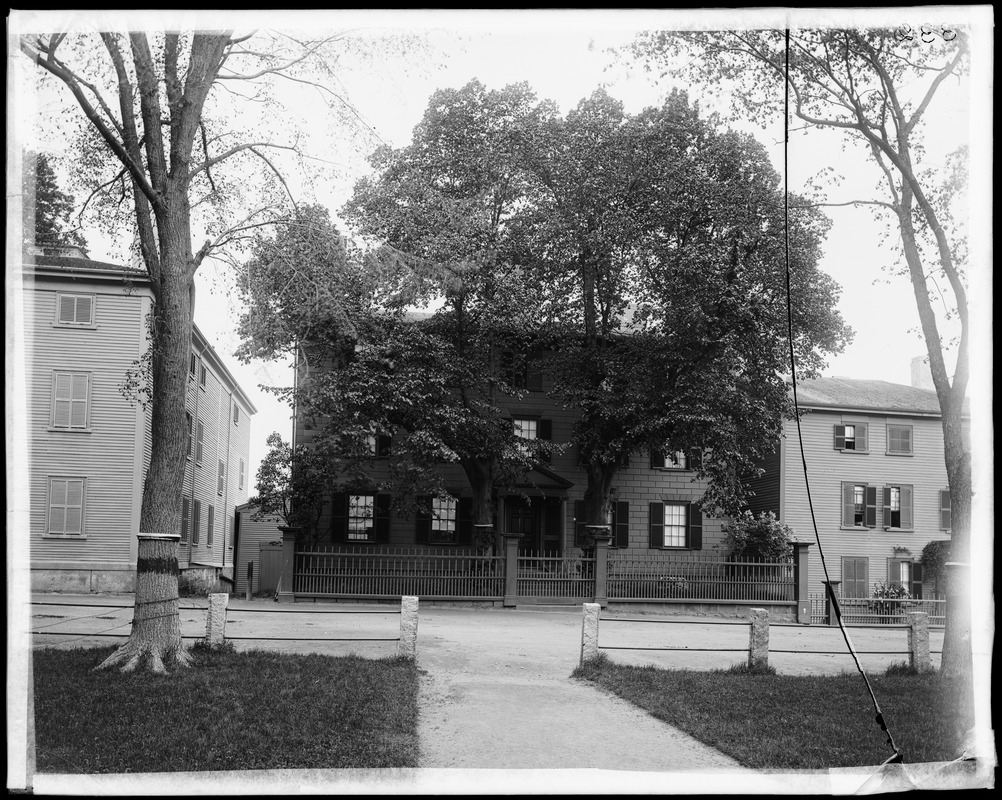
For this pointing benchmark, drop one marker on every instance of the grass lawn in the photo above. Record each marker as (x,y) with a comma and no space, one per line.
(231,711)
(790,721)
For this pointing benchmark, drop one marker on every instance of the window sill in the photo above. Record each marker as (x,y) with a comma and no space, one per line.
(80,326)
(854,528)
(73,537)
(906,455)
(53,429)
(898,530)
(856,452)
(673,469)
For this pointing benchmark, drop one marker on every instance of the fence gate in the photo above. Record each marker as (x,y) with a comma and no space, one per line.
(270,566)
(549,579)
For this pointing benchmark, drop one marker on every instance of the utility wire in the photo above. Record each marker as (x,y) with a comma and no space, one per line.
(879,718)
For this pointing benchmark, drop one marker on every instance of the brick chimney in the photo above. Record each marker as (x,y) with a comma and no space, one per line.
(921,374)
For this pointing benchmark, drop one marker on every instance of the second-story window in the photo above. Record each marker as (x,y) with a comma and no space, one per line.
(71,400)
(75,309)
(851,437)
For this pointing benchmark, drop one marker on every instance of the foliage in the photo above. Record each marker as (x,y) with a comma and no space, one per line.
(762,536)
(790,722)
(237,711)
(47,208)
(933,560)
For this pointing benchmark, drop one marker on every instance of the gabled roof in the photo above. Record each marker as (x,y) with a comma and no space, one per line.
(866,395)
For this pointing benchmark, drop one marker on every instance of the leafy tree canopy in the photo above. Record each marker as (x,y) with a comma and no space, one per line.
(47,208)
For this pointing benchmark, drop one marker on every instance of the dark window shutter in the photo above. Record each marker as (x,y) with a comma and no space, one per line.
(552,520)
(210,522)
(507,365)
(916,587)
(861,437)
(695,527)
(657,459)
(339,517)
(464,522)
(422,531)
(621,524)
(871,507)
(945,521)
(544,430)
(579,523)
(840,437)
(382,518)
(906,507)
(533,376)
(185,511)
(624,460)
(383,446)
(848,505)
(695,458)
(887,506)
(656,537)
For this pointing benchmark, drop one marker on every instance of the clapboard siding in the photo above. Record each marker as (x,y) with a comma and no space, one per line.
(104,454)
(253,533)
(829,468)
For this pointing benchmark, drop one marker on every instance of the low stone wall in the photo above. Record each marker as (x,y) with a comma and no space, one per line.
(83,580)
(692,608)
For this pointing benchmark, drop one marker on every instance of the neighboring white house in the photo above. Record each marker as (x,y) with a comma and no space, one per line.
(89,445)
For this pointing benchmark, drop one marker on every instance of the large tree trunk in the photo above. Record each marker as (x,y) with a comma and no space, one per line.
(478,472)
(598,491)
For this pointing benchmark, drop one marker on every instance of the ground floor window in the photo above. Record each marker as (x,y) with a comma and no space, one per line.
(66,504)
(361,517)
(676,524)
(855,577)
(444,511)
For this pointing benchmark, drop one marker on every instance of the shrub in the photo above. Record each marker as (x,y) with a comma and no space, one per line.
(933,561)
(762,536)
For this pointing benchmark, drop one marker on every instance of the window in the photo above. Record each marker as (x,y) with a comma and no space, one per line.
(521,372)
(71,400)
(676,524)
(851,437)
(899,440)
(444,514)
(619,524)
(859,505)
(905,573)
(75,309)
(897,506)
(221,479)
(855,577)
(191,366)
(678,459)
(236,414)
(377,445)
(190,421)
(66,506)
(945,517)
(240,485)
(198,442)
(185,518)
(533,429)
(201,375)
(209,524)
(361,517)
(196,509)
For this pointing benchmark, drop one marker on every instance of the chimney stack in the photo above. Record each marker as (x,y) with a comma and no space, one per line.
(921,374)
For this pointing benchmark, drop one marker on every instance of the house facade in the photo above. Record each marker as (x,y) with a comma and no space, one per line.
(89,445)
(654,496)
(877,477)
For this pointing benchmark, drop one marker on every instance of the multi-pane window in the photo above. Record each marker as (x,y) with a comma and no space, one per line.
(905,573)
(852,437)
(444,513)
(897,501)
(899,440)
(66,506)
(361,517)
(240,485)
(675,524)
(75,309)
(859,505)
(945,511)
(192,362)
(677,459)
(526,428)
(221,477)
(190,421)
(236,414)
(530,430)
(70,400)
(201,375)
(199,436)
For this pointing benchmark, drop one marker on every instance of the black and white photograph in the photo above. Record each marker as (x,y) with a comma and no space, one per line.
(508,401)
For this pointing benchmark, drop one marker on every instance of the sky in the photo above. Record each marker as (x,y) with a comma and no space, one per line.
(563,56)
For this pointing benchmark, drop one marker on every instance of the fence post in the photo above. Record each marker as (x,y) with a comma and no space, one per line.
(758,639)
(250,579)
(407,647)
(831,592)
(602,537)
(589,632)
(215,619)
(918,642)
(285,593)
(511,541)
(800,582)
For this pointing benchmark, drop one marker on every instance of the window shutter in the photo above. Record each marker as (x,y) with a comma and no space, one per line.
(695,527)
(887,506)
(78,410)
(533,376)
(196,509)
(916,587)
(621,524)
(870,519)
(657,459)
(382,518)
(83,311)
(945,521)
(201,375)
(184,518)
(906,506)
(840,437)
(861,437)
(544,431)
(61,403)
(191,365)
(848,505)
(191,430)
(339,517)
(209,522)
(464,522)
(383,446)
(67,308)
(507,366)
(221,480)
(422,530)
(656,533)
(198,443)
(624,460)
(579,523)
(236,414)
(695,458)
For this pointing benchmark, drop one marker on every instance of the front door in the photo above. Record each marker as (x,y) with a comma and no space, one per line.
(523,517)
